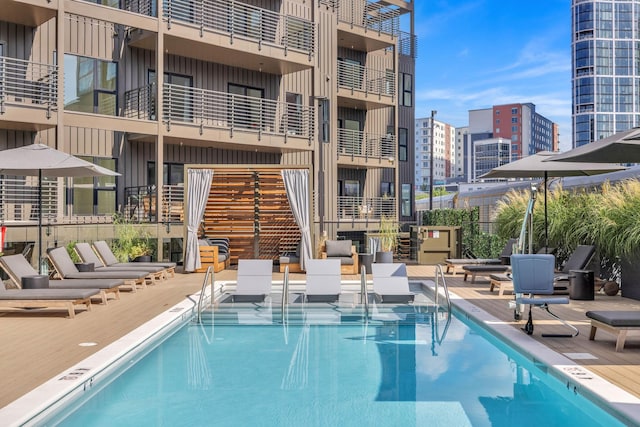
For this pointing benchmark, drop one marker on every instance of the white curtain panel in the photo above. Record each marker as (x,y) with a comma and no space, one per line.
(296,182)
(199,182)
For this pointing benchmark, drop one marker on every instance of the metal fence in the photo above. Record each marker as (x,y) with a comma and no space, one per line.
(366,145)
(367,80)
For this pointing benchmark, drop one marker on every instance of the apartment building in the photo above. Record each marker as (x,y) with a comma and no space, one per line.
(444,148)
(247,88)
(605,55)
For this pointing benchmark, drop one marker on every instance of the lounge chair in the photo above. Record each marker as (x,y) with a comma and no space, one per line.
(619,323)
(87,255)
(345,251)
(533,276)
(454,263)
(254,280)
(578,260)
(66,269)
(47,298)
(17,267)
(109,259)
(391,283)
(323,280)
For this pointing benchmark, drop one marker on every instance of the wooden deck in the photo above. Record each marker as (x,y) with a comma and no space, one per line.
(38,345)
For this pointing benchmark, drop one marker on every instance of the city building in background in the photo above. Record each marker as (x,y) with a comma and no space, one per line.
(605,58)
(444,158)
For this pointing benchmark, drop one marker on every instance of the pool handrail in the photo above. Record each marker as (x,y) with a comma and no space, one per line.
(364,296)
(285,293)
(208,275)
(440,275)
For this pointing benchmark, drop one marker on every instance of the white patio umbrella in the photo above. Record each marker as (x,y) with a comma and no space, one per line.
(41,160)
(621,147)
(537,166)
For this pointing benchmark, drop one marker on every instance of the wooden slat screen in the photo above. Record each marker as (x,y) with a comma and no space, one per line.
(250,207)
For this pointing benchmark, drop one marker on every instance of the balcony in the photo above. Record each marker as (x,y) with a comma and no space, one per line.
(209,115)
(362,148)
(365,88)
(367,26)
(365,208)
(236,34)
(28,94)
(31,13)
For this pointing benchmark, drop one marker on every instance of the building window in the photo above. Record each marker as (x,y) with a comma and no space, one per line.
(172,173)
(387,189)
(406,200)
(95,195)
(406,85)
(90,85)
(514,111)
(178,103)
(403,144)
(514,120)
(245,106)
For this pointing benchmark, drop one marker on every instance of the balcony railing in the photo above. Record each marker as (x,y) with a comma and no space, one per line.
(408,44)
(365,208)
(140,103)
(368,145)
(140,203)
(238,19)
(372,16)
(207,108)
(366,80)
(19,200)
(25,82)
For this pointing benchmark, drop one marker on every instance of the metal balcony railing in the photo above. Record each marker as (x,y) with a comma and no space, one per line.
(140,203)
(367,80)
(238,19)
(373,16)
(207,108)
(19,199)
(408,44)
(368,145)
(140,103)
(143,7)
(365,208)
(25,82)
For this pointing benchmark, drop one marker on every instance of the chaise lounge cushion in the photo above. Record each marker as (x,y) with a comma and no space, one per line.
(616,318)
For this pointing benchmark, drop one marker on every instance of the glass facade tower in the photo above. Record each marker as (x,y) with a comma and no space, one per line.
(606,68)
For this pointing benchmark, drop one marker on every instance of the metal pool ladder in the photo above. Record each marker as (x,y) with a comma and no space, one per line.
(207,277)
(440,275)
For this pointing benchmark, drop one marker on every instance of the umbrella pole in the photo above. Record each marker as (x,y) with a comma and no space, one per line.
(40,221)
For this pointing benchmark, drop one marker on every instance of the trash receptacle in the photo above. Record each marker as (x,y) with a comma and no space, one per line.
(581,285)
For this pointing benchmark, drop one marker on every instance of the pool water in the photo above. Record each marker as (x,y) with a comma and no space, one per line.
(330,369)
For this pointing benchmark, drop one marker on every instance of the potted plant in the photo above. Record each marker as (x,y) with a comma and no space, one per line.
(388,237)
(131,242)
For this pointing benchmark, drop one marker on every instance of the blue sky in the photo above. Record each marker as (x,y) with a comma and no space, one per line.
(477,53)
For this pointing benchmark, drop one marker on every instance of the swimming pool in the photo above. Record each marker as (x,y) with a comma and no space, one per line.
(325,366)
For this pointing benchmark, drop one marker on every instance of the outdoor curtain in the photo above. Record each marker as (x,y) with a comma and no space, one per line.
(199,181)
(296,182)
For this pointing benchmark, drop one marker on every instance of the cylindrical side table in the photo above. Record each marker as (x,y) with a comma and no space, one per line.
(39,281)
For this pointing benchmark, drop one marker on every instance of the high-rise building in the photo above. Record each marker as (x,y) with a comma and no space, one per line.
(526,131)
(605,68)
(247,88)
(443,153)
